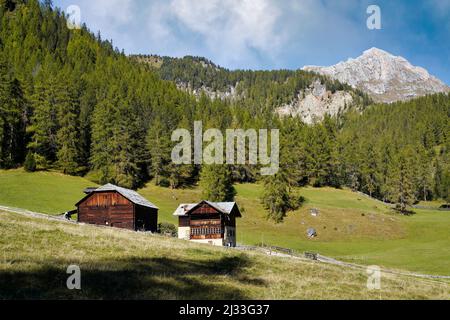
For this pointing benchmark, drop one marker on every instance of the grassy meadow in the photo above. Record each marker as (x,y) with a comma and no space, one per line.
(46,192)
(350,227)
(36,252)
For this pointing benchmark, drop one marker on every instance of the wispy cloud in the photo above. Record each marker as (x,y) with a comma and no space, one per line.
(440,7)
(110,17)
(110,12)
(232,31)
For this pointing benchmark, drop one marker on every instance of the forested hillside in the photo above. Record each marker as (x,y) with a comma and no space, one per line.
(271,89)
(399,150)
(71,101)
(76,103)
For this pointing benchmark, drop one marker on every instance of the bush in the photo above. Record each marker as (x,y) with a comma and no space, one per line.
(30,162)
(166,228)
(164,183)
(398,208)
(41,162)
(296,203)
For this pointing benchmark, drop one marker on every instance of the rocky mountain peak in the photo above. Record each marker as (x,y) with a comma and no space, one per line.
(385,77)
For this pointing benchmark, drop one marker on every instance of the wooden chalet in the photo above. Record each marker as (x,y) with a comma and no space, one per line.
(208,222)
(117,207)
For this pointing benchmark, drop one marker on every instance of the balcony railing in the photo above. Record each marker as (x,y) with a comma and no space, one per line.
(206,231)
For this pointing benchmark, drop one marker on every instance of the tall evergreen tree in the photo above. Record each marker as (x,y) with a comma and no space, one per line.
(400,183)
(12,122)
(369,171)
(424,175)
(68,154)
(103,137)
(216,183)
(44,123)
(277,199)
(4,104)
(159,146)
(129,147)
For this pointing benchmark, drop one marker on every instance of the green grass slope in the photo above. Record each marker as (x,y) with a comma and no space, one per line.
(119,264)
(45,192)
(350,227)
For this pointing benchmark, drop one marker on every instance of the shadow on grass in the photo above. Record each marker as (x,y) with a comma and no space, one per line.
(151,278)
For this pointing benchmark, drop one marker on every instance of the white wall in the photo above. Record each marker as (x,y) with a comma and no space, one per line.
(184,233)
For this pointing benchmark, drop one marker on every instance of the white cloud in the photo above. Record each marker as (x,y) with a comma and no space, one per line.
(109,12)
(440,7)
(110,17)
(231,30)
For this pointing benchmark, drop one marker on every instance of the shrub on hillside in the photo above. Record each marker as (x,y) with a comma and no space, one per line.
(168,229)
(30,162)
(164,183)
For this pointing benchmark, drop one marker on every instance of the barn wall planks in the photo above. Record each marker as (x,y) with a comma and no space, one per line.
(114,210)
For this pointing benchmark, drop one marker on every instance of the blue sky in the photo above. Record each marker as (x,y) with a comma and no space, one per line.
(274,34)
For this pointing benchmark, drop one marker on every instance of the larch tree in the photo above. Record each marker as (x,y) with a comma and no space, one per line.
(401,189)
(276,197)
(68,155)
(216,183)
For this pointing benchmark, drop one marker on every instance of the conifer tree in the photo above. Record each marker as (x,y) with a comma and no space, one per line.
(158,144)
(424,175)
(276,197)
(30,162)
(180,174)
(400,183)
(216,183)
(68,134)
(102,140)
(127,146)
(369,170)
(4,94)
(44,123)
(12,109)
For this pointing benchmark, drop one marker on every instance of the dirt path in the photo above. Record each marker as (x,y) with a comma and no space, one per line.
(35,214)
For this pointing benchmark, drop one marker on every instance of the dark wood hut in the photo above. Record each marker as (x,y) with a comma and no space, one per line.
(117,207)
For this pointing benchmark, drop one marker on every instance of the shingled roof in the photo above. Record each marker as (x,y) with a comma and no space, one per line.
(224,207)
(131,195)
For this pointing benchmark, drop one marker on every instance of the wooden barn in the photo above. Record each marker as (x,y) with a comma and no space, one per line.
(208,222)
(117,207)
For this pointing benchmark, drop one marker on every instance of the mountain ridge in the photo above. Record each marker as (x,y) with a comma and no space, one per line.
(306,95)
(385,77)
